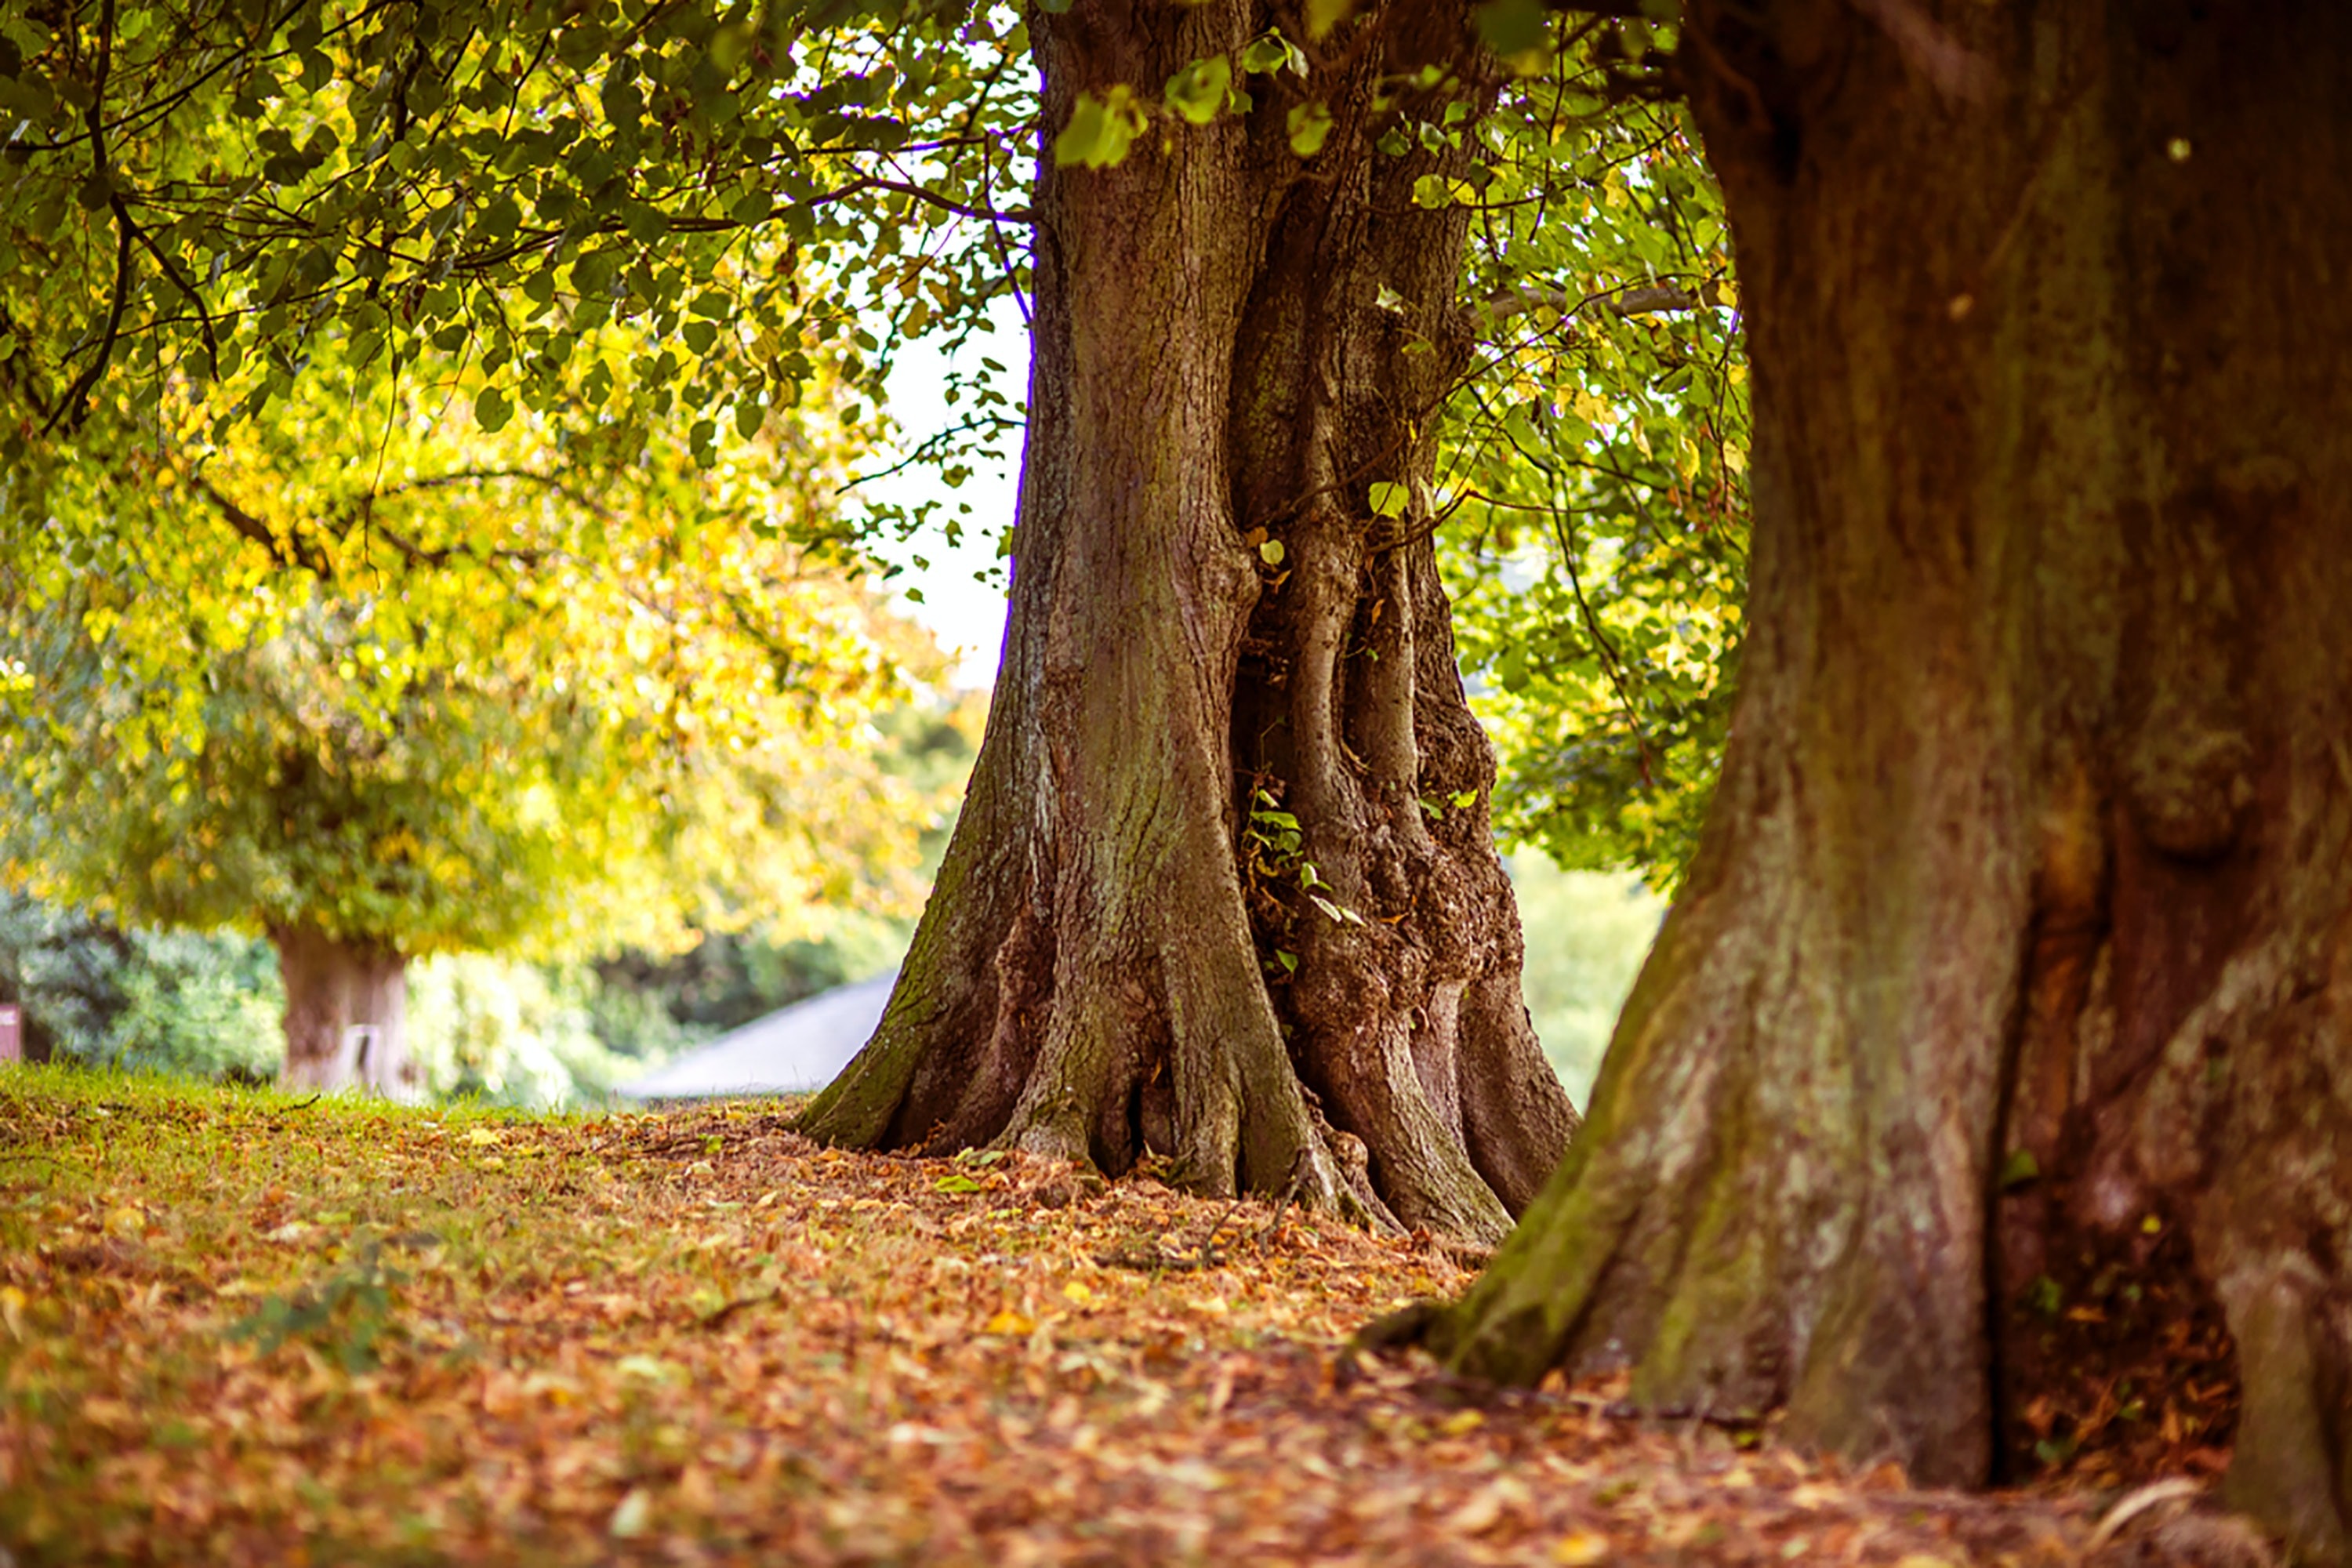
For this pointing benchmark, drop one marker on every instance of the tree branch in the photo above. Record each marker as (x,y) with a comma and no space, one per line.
(179,280)
(288,553)
(1625,303)
(69,410)
(479,476)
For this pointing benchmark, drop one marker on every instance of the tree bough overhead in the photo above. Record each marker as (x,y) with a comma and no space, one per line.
(2019,934)
(1223,891)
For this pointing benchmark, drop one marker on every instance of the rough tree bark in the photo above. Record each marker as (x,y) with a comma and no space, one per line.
(346,1013)
(2035,830)
(1100,971)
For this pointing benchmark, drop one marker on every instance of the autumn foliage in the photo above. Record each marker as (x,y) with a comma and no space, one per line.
(246,1328)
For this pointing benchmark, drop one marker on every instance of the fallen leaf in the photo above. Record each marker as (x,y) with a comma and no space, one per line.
(632,1518)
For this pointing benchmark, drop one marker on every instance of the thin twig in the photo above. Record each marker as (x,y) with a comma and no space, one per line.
(179,280)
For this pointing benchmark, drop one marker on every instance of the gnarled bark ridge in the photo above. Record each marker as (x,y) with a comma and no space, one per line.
(1100,971)
(2035,832)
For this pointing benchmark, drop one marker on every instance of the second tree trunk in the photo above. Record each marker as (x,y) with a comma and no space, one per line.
(1224,890)
(346,1010)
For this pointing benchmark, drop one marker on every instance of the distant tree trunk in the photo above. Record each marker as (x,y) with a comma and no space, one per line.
(1232,346)
(346,1015)
(2022,933)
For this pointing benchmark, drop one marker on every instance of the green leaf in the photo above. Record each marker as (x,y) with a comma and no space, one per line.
(1389,500)
(1198,92)
(1322,15)
(2020,1168)
(492,410)
(955,1181)
(2056,1450)
(1310,125)
(1270,52)
(1511,28)
(1271,552)
(1100,129)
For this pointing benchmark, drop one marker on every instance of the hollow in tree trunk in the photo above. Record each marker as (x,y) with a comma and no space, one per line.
(2021,930)
(346,1009)
(1214,635)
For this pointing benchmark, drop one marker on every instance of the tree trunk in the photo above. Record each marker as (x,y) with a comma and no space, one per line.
(1127,953)
(346,1011)
(2021,936)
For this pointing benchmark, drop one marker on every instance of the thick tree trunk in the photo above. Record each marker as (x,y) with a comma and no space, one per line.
(346,1011)
(2035,832)
(1124,953)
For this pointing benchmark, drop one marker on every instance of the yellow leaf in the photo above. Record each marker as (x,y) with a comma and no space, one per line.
(1009,1323)
(1322,15)
(1462,1421)
(635,1512)
(1478,1515)
(1581,1546)
(482,1137)
(1075,1290)
(651,1368)
(12,1311)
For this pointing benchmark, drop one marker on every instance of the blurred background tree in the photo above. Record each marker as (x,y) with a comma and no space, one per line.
(384,676)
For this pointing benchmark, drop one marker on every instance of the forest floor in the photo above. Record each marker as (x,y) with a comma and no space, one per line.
(243,1328)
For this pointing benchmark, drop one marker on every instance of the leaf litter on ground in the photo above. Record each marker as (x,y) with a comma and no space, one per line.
(240,1328)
